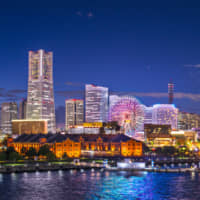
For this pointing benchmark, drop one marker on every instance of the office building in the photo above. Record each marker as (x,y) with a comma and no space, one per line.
(40,103)
(74,112)
(8,113)
(22,109)
(96,103)
(188,121)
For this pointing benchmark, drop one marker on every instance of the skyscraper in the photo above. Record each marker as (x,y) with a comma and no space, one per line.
(40,103)
(96,103)
(8,113)
(74,112)
(170,93)
(22,109)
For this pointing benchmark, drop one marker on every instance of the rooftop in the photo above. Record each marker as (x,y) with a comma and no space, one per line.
(52,138)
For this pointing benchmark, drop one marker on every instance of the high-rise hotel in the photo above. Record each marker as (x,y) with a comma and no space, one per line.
(40,102)
(165,114)
(96,103)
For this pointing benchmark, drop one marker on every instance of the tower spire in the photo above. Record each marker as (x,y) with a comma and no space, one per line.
(170,92)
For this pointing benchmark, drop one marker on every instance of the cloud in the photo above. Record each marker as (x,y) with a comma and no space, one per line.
(90,14)
(11,95)
(141,94)
(178,95)
(194,97)
(79,13)
(17,91)
(75,84)
(83,14)
(194,66)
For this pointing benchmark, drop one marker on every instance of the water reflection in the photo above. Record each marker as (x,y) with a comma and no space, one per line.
(192,175)
(1,177)
(25,174)
(13,176)
(87,184)
(60,172)
(37,174)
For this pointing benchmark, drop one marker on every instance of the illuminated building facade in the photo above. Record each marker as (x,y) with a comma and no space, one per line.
(157,135)
(165,114)
(40,103)
(29,126)
(22,109)
(81,145)
(185,135)
(96,103)
(188,121)
(86,128)
(148,115)
(9,112)
(74,111)
(95,128)
(113,99)
(153,130)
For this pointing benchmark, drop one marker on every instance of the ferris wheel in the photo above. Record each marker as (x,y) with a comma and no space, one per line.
(129,114)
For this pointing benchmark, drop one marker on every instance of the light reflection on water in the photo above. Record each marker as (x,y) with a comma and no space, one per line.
(1,177)
(89,185)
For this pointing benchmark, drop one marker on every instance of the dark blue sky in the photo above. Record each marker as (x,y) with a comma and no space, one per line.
(126,46)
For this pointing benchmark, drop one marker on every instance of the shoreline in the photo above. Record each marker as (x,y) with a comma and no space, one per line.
(57,167)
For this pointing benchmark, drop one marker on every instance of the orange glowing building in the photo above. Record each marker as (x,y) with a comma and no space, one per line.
(29,126)
(75,146)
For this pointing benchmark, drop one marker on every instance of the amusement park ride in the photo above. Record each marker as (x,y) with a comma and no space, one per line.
(129,114)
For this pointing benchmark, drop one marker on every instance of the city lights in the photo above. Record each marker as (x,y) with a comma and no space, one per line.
(99,100)
(40,101)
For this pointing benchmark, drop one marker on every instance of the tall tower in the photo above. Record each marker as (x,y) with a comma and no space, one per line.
(170,92)
(74,112)
(40,103)
(96,103)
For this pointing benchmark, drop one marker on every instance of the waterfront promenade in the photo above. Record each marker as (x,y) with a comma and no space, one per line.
(160,165)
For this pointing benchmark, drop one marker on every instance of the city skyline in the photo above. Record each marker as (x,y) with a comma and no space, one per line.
(40,104)
(99,100)
(44,72)
(19,94)
(117,48)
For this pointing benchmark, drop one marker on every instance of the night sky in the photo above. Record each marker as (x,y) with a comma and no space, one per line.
(132,48)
